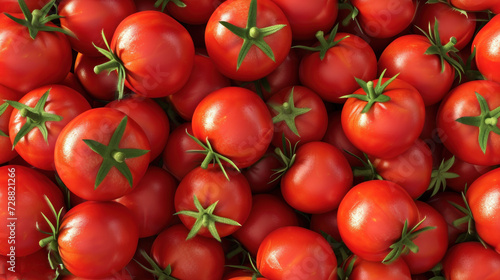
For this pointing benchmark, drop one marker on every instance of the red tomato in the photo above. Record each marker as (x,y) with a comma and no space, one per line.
(262,174)
(328,179)
(367,270)
(149,116)
(22,199)
(100,86)
(487,53)
(31,267)
(471,261)
(225,47)
(196,258)
(299,114)
(62,103)
(152,201)
(268,213)
(483,197)
(232,198)
(88,18)
(6,151)
(290,252)
(97,239)
(12,6)
(327,223)
(371,218)
(193,11)
(237,124)
(467,173)
(78,164)
(471,141)
(477,5)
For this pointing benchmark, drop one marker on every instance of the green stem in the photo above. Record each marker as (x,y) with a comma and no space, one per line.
(254,32)
(112,64)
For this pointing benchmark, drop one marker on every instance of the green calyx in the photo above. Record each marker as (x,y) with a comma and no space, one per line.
(439,176)
(287,112)
(163,4)
(287,157)
(156,270)
(463,12)
(205,218)
(367,171)
(252,268)
(252,35)
(486,122)
(324,44)
(35,117)
(373,94)
(211,156)
(113,156)
(114,64)
(36,21)
(405,244)
(3,108)
(353,13)
(437,48)
(470,234)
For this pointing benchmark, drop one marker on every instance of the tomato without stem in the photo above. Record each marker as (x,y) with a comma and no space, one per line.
(368,270)
(486,47)
(471,261)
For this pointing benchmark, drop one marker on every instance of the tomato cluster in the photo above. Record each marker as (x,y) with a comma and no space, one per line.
(249,139)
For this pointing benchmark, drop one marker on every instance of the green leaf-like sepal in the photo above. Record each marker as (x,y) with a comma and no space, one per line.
(163,274)
(287,112)
(439,176)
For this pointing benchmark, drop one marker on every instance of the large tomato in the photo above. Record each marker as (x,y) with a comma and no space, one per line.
(367,270)
(471,261)
(31,267)
(487,52)
(101,154)
(247,40)
(477,5)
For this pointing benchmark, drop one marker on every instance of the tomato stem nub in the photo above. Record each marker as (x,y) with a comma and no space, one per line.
(324,44)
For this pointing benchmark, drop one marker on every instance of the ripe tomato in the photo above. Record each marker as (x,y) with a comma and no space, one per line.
(97,238)
(237,124)
(240,46)
(100,86)
(107,170)
(467,173)
(31,267)
(367,270)
(329,178)
(22,199)
(290,252)
(38,119)
(471,261)
(193,11)
(477,5)
(262,174)
(487,53)
(327,223)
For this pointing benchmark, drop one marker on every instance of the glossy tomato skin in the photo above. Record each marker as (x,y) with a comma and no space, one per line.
(311,126)
(149,116)
(371,217)
(367,270)
(77,164)
(195,11)
(6,151)
(400,118)
(100,86)
(236,122)
(204,79)
(152,201)
(12,6)
(97,238)
(405,55)
(461,139)
(261,176)
(144,42)
(471,261)
(26,63)
(290,252)
(487,53)
(268,213)
(210,185)
(329,178)
(62,101)
(333,76)
(87,19)
(224,47)
(308,18)
(477,5)
(31,267)
(483,197)
(432,244)
(22,193)
(197,258)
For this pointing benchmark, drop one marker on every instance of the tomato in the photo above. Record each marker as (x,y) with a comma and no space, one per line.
(367,270)
(88,18)
(100,86)
(373,128)
(22,199)
(149,116)
(237,124)
(467,173)
(483,197)
(326,223)
(432,244)
(152,201)
(471,261)
(477,5)
(308,18)
(329,178)
(26,63)
(331,70)
(268,213)
(204,79)
(31,267)
(240,46)
(299,114)
(12,6)
(487,53)
(196,258)
(371,218)
(98,140)
(466,122)
(209,188)
(97,238)
(193,11)
(6,151)
(290,252)
(38,119)
(262,175)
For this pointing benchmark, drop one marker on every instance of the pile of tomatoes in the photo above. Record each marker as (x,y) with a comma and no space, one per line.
(249,139)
